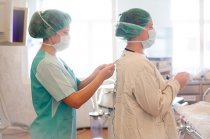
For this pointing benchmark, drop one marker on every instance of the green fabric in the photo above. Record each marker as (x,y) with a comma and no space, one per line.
(56,19)
(132,22)
(55,119)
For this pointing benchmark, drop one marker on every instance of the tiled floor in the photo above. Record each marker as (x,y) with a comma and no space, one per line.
(81,134)
(86,134)
(16,136)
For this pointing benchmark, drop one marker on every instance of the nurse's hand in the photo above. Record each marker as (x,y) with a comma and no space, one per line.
(182,78)
(96,71)
(107,71)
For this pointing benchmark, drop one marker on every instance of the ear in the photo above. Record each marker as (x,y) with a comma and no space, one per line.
(54,38)
(144,35)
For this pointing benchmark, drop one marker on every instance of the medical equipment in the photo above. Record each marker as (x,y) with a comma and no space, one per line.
(186,128)
(102,103)
(96,125)
(13,23)
(194,120)
(105,96)
(206,95)
(202,75)
(194,90)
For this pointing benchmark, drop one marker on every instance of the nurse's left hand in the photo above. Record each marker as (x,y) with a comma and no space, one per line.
(107,72)
(100,67)
(96,71)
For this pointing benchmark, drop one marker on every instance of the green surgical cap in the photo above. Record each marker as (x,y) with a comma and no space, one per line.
(131,23)
(47,23)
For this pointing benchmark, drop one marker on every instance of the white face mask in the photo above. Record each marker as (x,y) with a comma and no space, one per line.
(150,41)
(64,40)
(63,44)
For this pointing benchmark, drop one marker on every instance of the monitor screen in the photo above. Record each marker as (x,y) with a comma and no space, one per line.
(13,24)
(18,25)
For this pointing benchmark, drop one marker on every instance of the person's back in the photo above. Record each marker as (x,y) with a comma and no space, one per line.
(136,108)
(143,98)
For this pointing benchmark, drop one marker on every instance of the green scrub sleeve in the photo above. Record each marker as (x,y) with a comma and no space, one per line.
(55,81)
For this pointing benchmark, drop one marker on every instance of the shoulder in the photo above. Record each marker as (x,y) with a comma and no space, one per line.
(48,62)
(135,63)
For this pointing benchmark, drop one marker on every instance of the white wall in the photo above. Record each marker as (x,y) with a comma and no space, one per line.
(159,9)
(20,3)
(6,20)
(14,85)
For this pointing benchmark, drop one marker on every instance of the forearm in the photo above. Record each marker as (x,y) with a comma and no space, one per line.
(86,81)
(78,98)
(89,87)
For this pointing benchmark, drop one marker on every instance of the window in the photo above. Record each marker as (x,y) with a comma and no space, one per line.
(90,31)
(186,35)
(186,40)
(206,34)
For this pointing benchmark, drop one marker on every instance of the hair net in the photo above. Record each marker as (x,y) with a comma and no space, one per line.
(132,22)
(47,23)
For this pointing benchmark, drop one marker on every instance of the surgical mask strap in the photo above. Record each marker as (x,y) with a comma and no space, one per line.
(131,24)
(47,44)
(134,41)
(141,40)
(39,12)
(46,22)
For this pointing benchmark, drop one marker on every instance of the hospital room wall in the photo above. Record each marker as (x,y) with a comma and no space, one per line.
(20,3)
(15,83)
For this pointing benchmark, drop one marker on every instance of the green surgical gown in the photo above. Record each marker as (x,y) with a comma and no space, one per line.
(51,81)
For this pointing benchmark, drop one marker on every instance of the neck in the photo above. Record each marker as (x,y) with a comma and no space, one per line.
(136,47)
(47,46)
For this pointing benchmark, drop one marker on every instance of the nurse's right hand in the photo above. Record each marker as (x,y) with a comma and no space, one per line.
(182,78)
(107,71)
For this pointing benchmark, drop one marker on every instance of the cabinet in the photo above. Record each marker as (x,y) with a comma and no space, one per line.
(193,91)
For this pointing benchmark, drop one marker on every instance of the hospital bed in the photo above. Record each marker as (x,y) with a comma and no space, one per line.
(193,121)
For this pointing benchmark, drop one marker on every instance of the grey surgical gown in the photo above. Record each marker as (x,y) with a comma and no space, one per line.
(143,100)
